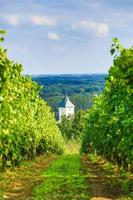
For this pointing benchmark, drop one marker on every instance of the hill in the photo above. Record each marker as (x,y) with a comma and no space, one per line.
(80,88)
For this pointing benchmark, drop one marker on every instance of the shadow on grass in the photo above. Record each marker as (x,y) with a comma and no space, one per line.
(107,182)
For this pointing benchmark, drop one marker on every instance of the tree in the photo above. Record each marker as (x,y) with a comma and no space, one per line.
(72,126)
(78,123)
(66,127)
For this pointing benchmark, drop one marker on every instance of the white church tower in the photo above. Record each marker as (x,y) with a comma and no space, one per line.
(66,107)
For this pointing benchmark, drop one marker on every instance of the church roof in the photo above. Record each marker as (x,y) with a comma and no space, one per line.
(66,103)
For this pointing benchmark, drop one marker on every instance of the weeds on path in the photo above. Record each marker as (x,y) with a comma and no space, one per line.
(64,180)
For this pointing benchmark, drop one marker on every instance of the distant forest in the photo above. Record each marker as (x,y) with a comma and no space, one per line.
(80,89)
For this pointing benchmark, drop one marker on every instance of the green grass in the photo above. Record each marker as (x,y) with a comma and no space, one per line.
(72,147)
(1,194)
(64,179)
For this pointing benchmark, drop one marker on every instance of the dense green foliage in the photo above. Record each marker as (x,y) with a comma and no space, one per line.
(27,125)
(79,88)
(65,127)
(72,127)
(109,123)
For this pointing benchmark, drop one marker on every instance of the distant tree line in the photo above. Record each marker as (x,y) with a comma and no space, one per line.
(80,89)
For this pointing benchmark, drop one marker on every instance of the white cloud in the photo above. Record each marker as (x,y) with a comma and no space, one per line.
(53,36)
(98,29)
(12,19)
(43,20)
(103,29)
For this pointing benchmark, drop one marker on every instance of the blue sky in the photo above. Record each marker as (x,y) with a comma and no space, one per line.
(65,36)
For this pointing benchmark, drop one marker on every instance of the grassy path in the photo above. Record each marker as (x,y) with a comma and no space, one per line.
(75,177)
(67,177)
(63,180)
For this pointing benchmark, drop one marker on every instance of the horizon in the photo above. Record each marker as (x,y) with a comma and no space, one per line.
(72,74)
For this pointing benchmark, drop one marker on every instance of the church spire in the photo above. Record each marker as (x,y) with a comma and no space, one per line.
(66,107)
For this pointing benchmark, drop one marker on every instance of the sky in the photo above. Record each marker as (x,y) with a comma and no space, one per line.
(65,36)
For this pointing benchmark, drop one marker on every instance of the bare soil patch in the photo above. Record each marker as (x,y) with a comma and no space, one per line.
(104,183)
(18,184)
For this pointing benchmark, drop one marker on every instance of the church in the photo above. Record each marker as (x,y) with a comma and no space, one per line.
(66,107)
